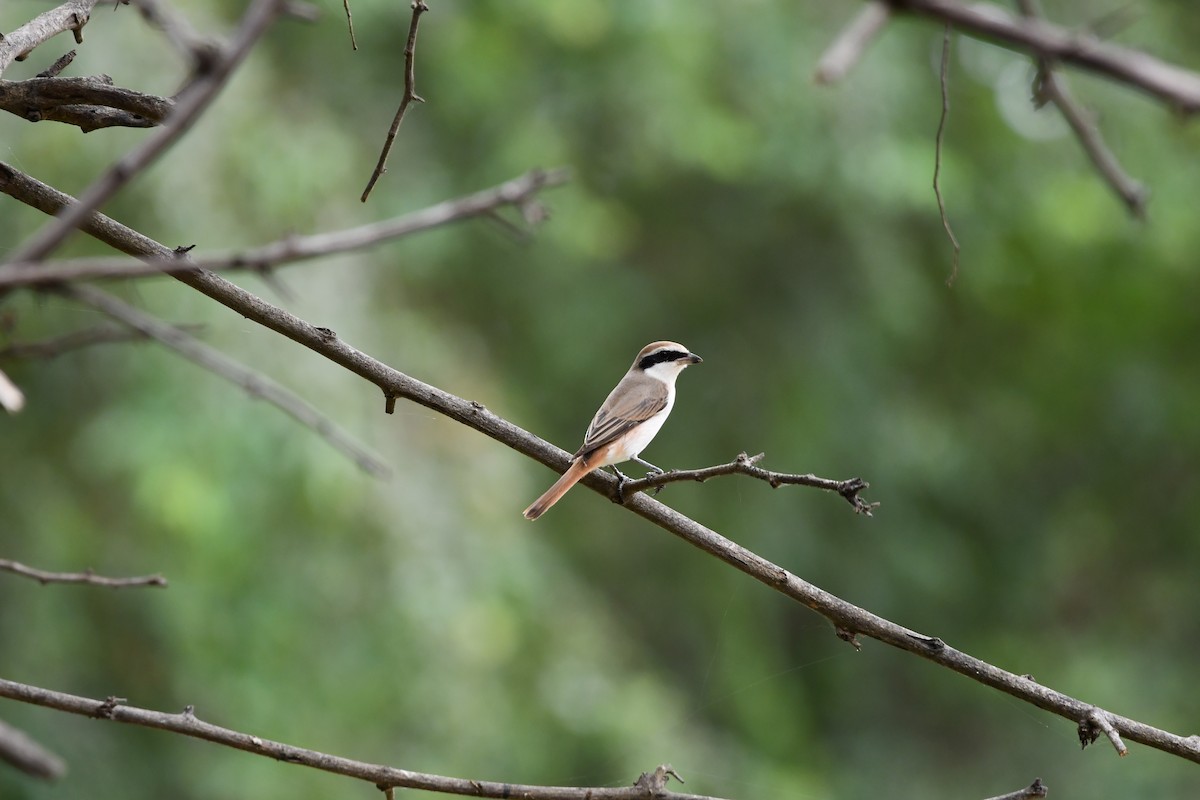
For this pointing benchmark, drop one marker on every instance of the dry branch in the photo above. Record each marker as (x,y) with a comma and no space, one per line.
(87,577)
(75,340)
(1051,87)
(190,103)
(188,724)
(89,103)
(1174,85)
(851,44)
(70,16)
(845,617)
(748,465)
(410,94)
(520,192)
(254,383)
(20,751)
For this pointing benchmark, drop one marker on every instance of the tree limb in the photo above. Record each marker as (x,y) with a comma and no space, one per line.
(88,577)
(851,44)
(520,192)
(19,750)
(188,724)
(1174,85)
(85,337)
(1051,87)
(846,618)
(748,465)
(89,103)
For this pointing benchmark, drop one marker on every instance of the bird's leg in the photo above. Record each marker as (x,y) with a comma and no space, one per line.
(653,471)
(622,479)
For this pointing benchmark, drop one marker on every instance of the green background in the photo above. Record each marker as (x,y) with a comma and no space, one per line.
(1031,431)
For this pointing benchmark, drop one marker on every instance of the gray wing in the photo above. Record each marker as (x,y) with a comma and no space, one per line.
(635,399)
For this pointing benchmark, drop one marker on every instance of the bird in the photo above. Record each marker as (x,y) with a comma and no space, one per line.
(631,416)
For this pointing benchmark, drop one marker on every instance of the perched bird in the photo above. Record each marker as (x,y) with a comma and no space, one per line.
(633,413)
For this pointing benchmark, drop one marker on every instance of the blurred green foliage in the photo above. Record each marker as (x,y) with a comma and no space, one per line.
(1031,431)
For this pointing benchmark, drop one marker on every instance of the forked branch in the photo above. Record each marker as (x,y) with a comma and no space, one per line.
(748,465)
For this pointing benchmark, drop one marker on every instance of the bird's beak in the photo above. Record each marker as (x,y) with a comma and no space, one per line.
(694,359)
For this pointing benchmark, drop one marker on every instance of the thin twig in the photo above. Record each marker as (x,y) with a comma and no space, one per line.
(254,383)
(847,619)
(519,191)
(1053,87)
(190,103)
(75,340)
(350,24)
(1035,789)
(1096,722)
(55,69)
(937,154)
(410,93)
(851,44)
(87,577)
(188,724)
(748,465)
(19,750)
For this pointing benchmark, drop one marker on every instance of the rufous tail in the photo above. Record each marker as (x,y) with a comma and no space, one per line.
(569,478)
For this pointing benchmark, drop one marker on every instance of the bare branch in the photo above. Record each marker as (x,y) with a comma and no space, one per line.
(190,103)
(188,724)
(848,620)
(89,103)
(748,465)
(937,153)
(70,16)
(75,340)
(55,69)
(87,577)
(12,399)
(520,192)
(350,24)
(1174,85)
(410,93)
(19,750)
(1035,789)
(1053,88)
(851,44)
(201,51)
(254,383)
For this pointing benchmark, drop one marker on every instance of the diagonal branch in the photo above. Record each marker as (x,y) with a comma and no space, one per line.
(12,399)
(748,465)
(410,93)
(88,577)
(851,44)
(846,618)
(216,362)
(520,192)
(1053,88)
(191,102)
(18,750)
(188,724)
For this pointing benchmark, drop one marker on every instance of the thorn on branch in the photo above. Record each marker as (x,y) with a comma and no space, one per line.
(389,402)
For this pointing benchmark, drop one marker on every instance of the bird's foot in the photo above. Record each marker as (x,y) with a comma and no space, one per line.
(622,479)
